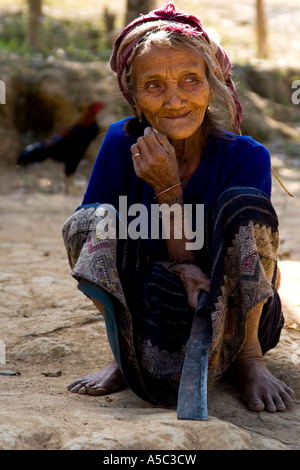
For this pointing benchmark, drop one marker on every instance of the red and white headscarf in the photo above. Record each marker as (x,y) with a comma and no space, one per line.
(170,19)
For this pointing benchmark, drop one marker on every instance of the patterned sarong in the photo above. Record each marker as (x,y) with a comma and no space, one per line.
(147,316)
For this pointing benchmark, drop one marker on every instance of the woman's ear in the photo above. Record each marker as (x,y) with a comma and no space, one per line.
(210,95)
(138,110)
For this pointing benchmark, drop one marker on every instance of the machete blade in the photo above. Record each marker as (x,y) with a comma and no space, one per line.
(192,395)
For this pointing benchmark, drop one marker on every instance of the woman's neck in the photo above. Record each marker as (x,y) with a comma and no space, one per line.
(189,153)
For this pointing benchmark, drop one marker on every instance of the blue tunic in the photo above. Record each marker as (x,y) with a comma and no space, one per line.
(228,161)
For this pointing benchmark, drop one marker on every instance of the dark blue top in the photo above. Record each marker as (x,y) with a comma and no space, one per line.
(237,161)
(227,161)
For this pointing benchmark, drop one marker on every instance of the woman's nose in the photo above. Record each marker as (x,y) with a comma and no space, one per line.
(175,99)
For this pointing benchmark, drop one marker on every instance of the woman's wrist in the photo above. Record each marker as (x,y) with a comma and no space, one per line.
(170,195)
(167,190)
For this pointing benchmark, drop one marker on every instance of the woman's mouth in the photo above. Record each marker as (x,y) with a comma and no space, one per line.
(178,116)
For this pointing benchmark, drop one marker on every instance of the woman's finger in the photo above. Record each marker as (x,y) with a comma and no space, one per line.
(135,150)
(146,147)
(157,140)
(162,139)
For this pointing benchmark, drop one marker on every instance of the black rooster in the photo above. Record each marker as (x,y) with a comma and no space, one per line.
(68,146)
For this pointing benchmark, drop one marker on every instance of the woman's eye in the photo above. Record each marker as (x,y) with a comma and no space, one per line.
(191,79)
(152,85)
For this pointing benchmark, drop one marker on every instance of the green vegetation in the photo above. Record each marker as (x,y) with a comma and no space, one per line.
(78,40)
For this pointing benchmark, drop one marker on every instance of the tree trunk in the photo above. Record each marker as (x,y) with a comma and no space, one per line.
(261,30)
(135,7)
(34,23)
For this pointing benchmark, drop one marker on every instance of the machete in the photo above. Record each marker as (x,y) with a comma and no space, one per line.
(192,395)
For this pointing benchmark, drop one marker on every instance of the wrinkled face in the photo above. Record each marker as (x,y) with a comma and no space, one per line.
(171,90)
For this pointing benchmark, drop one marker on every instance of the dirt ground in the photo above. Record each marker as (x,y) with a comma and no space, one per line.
(53,334)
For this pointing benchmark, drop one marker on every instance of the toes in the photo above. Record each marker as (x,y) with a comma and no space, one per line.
(98,391)
(255,405)
(268,403)
(83,387)
(279,402)
(253,402)
(280,406)
(287,398)
(74,385)
(291,394)
(78,387)
(103,382)
(270,406)
(74,388)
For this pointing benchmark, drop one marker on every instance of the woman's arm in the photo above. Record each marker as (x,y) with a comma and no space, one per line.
(155,162)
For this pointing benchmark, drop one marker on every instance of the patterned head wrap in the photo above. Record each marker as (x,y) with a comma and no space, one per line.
(169,19)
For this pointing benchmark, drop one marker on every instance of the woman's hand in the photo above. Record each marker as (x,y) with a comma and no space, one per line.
(154,160)
(193,279)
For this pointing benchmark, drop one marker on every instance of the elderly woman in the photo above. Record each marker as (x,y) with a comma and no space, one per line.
(182,149)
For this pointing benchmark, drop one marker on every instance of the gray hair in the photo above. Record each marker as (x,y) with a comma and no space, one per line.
(221,115)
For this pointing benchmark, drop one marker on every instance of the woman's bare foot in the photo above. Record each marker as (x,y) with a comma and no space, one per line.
(103,382)
(259,389)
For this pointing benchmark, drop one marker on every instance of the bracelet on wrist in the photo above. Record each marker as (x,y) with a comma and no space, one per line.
(168,189)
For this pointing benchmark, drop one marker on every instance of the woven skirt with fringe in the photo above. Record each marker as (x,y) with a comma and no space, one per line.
(148,319)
